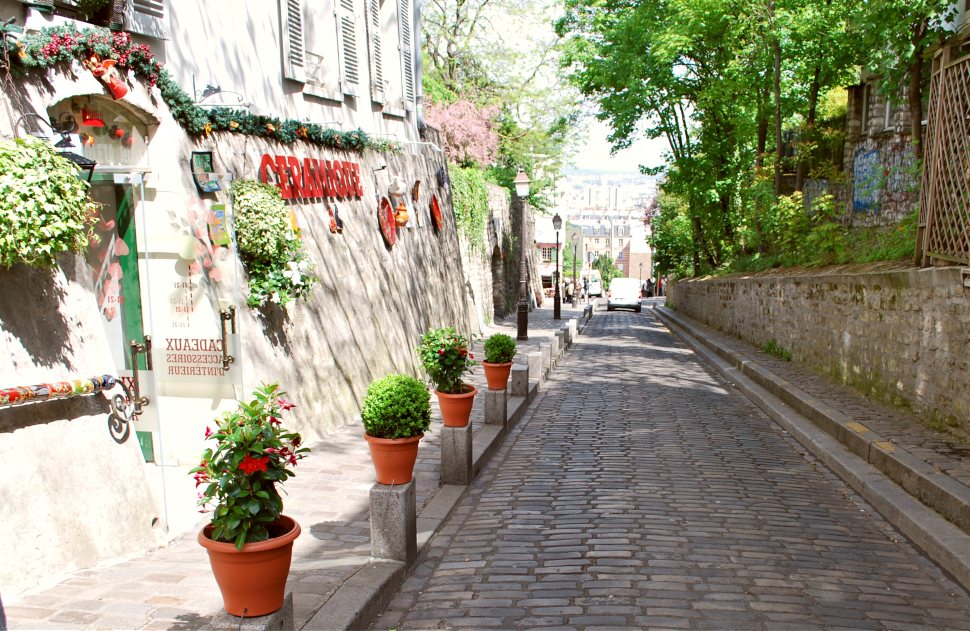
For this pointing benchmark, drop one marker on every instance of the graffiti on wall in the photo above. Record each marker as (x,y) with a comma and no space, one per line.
(867,179)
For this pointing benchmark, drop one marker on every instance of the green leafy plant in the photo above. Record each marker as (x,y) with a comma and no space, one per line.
(396,406)
(44,208)
(278,268)
(471,203)
(446,358)
(771,347)
(252,456)
(499,348)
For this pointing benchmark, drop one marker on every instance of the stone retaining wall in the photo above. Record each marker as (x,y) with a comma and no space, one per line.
(901,335)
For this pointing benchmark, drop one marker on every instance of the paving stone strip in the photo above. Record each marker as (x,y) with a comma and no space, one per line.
(642,491)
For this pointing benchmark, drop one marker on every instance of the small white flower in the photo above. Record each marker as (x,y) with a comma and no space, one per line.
(293,274)
(275,297)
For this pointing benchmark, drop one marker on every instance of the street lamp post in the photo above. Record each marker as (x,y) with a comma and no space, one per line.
(556,299)
(575,239)
(522,191)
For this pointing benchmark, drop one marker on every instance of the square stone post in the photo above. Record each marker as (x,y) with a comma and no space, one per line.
(393,522)
(519,380)
(546,350)
(537,367)
(554,346)
(456,454)
(560,344)
(496,407)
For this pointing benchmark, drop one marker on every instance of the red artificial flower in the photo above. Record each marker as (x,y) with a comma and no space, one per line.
(441,351)
(297,441)
(271,450)
(275,421)
(286,405)
(251,465)
(208,431)
(471,355)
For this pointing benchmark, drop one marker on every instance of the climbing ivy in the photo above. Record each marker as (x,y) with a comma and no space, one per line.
(471,203)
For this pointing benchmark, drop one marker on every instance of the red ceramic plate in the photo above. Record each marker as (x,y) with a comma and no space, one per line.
(436,217)
(385,217)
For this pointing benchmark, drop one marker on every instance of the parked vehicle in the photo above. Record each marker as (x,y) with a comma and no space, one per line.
(624,294)
(595,283)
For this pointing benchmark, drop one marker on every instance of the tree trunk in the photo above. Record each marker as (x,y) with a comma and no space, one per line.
(809,129)
(763,97)
(915,93)
(779,145)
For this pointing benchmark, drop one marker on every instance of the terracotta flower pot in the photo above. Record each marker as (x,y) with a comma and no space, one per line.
(497,375)
(456,409)
(253,579)
(393,458)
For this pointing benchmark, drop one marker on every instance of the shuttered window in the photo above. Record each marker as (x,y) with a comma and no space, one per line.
(292,36)
(146,17)
(407,53)
(154,8)
(376,61)
(347,36)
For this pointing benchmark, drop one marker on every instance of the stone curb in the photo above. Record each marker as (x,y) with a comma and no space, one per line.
(865,461)
(359,600)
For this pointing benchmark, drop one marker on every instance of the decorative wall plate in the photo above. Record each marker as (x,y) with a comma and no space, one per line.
(436,217)
(385,218)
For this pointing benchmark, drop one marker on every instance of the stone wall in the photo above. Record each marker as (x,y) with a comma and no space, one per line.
(901,335)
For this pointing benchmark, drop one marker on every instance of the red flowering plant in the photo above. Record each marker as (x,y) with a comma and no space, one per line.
(240,474)
(446,358)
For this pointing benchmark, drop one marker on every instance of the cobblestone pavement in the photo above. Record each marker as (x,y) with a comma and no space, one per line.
(643,492)
(173,588)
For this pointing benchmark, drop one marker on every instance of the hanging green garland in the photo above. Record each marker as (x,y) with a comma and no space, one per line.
(57,47)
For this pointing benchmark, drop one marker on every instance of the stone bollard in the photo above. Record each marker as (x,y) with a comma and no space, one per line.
(497,407)
(567,336)
(519,380)
(561,345)
(573,330)
(535,367)
(393,522)
(456,454)
(554,347)
(546,350)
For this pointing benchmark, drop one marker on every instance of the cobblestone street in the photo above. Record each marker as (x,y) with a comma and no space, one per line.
(643,492)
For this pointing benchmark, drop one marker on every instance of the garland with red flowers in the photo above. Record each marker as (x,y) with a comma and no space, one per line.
(57,47)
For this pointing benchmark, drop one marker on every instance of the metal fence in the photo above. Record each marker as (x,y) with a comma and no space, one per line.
(944,222)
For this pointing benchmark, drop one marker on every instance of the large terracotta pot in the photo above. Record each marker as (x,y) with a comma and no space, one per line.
(456,409)
(393,458)
(497,375)
(253,579)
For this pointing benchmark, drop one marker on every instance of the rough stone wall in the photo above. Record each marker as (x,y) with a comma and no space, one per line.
(899,335)
(883,176)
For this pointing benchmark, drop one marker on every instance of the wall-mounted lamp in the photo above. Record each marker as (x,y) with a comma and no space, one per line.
(86,165)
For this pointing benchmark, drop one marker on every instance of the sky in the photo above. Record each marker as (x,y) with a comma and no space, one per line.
(595,152)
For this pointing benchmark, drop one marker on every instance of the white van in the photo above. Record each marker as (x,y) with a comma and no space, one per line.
(624,294)
(595,283)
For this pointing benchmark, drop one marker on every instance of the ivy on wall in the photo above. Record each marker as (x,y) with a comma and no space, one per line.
(55,48)
(471,203)
(44,207)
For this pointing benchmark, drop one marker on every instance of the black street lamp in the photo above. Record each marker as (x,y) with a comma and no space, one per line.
(556,300)
(522,191)
(575,239)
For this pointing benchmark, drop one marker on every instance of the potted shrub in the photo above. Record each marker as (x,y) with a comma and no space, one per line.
(446,358)
(249,541)
(499,351)
(396,413)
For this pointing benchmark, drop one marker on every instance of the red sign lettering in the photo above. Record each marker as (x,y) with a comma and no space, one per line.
(311,178)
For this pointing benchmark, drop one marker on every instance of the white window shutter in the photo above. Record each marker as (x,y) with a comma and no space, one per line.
(146,17)
(407,53)
(376,61)
(291,34)
(347,37)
